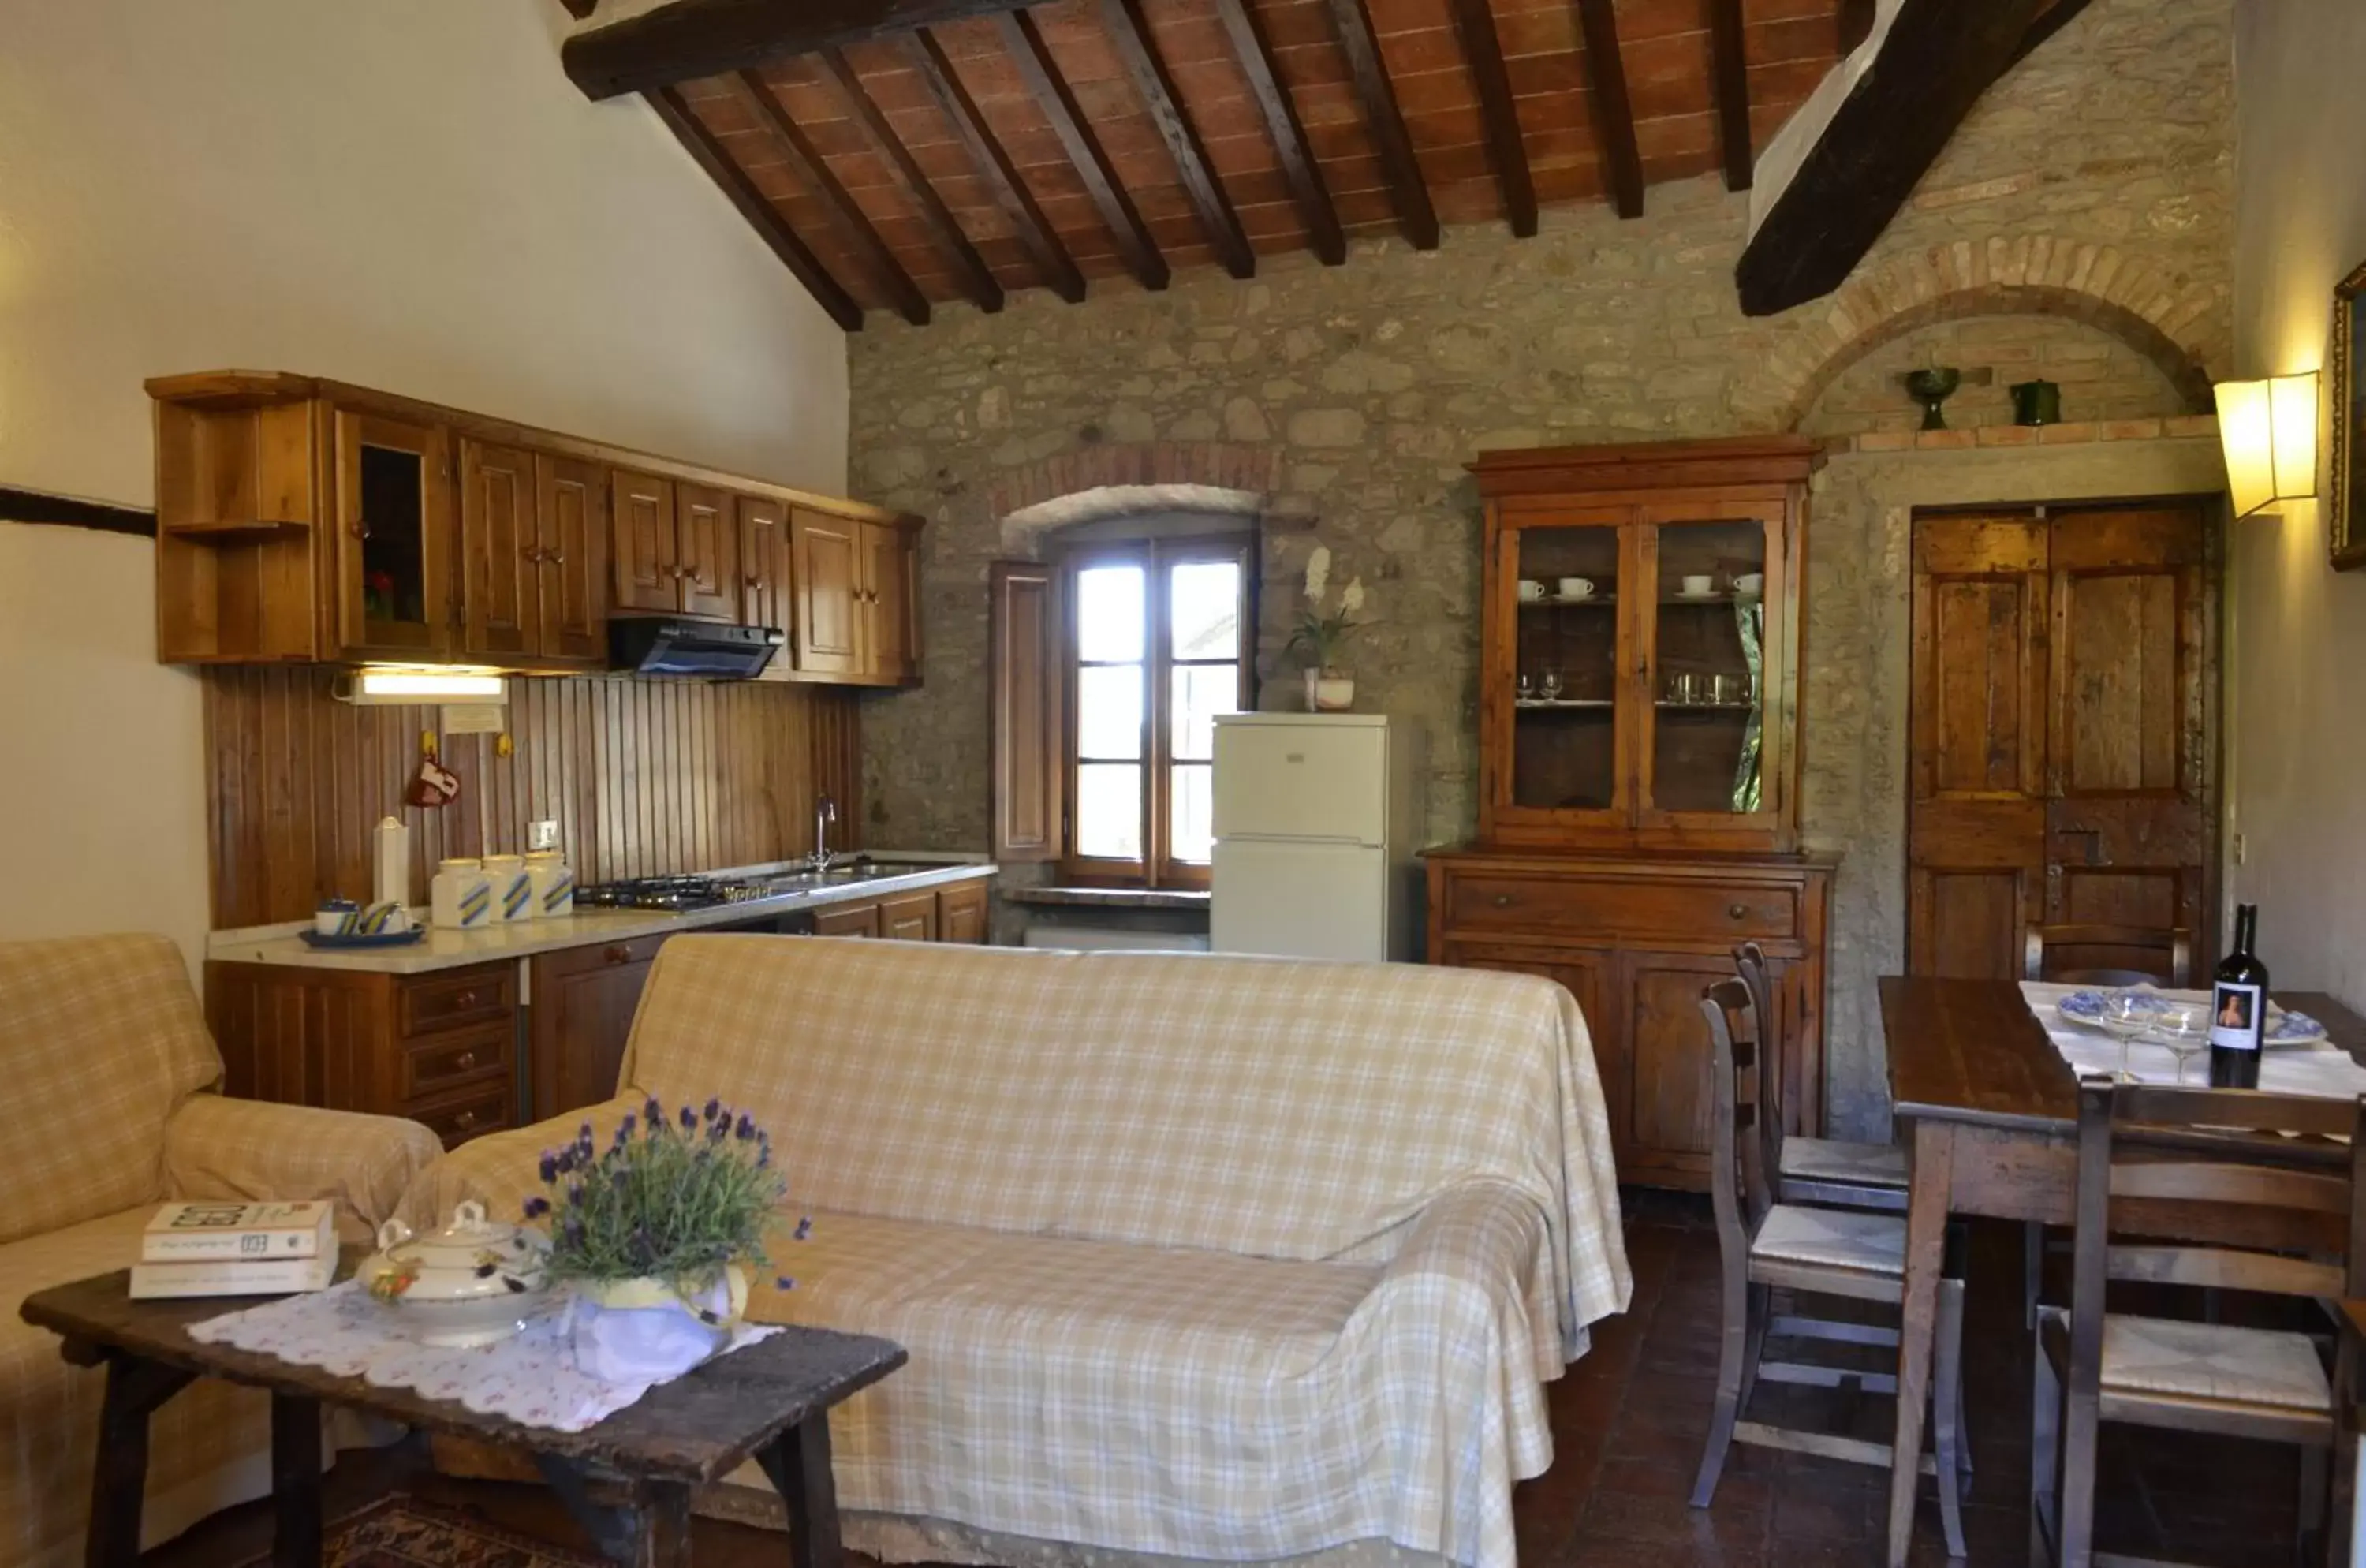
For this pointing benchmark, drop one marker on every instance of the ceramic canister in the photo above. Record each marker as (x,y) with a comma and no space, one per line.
(513,887)
(553,884)
(461,896)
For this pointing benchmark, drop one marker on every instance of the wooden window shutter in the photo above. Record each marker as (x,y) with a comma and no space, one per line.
(1030,686)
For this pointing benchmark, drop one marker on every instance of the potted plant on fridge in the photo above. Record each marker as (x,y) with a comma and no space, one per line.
(1330,687)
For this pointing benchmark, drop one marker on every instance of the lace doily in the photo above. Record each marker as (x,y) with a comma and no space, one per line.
(530,1377)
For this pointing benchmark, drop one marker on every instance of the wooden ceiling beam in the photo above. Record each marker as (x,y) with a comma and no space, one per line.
(1507,148)
(1386,121)
(1103,183)
(1614,114)
(977,278)
(751,92)
(1937,58)
(1300,167)
(756,208)
(1130,33)
(1010,193)
(688,39)
(1730,66)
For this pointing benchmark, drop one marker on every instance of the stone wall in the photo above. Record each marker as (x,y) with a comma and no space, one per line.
(2087,195)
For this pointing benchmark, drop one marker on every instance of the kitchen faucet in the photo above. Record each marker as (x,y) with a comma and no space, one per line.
(824,813)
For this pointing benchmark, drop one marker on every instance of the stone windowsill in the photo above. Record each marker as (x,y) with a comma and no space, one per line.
(2182,427)
(1108,897)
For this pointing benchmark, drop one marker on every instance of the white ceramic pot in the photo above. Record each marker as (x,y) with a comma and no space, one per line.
(473,1283)
(1328,693)
(644,1330)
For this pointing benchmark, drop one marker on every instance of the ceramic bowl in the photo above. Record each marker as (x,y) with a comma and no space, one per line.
(473,1283)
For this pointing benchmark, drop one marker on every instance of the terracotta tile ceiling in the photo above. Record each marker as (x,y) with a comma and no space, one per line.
(824,122)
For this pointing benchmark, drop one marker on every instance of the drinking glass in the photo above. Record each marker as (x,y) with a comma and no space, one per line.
(1520,686)
(2127,1016)
(1551,685)
(2184,1028)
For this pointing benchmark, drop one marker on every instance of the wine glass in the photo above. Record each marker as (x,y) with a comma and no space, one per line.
(1551,685)
(2127,1015)
(2184,1028)
(1520,686)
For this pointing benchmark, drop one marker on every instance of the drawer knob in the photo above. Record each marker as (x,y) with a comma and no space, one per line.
(465,1060)
(465,1118)
(1502,900)
(618,955)
(465,999)
(1735,912)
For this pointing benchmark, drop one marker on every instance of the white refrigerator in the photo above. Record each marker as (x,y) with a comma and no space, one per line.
(1315,816)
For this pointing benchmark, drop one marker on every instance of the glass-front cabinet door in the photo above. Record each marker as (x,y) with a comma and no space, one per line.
(394,531)
(1709,573)
(1565,674)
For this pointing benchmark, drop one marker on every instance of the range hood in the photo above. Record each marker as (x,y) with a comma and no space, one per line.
(668,644)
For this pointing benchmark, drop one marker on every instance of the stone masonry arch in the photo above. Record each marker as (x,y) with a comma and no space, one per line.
(1112,478)
(2127,297)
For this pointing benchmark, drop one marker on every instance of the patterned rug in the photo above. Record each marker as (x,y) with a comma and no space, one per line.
(404,1532)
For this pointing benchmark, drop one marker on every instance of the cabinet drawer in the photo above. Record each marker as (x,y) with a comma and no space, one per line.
(1680,911)
(465,1116)
(432,1066)
(438,1002)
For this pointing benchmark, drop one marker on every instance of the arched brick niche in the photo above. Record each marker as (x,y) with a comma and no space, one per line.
(1107,481)
(2031,275)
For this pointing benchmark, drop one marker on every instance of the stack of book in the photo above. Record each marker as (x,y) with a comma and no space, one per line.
(236,1250)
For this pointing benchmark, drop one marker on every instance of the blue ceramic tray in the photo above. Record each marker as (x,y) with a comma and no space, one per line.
(378,939)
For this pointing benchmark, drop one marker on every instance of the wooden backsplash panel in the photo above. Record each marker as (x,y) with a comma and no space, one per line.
(644,777)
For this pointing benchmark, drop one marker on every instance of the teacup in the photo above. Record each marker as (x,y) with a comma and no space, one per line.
(1749,583)
(1576,588)
(1532,588)
(1699,586)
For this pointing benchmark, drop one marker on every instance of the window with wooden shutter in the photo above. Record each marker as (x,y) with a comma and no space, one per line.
(1029,801)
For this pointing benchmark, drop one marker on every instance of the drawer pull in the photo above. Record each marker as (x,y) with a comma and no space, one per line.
(618,955)
(1502,900)
(1735,912)
(465,999)
(465,1118)
(464,1061)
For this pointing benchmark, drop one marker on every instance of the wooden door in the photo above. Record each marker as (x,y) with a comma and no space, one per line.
(2058,769)
(1669,1096)
(584,998)
(571,515)
(641,509)
(889,591)
(847,919)
(764,564)
(500,597)
(911,918)
(960,912)
(394,591)
(706,552)
(827,572)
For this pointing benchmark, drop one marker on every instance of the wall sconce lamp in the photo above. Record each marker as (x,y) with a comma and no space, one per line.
(2268,431)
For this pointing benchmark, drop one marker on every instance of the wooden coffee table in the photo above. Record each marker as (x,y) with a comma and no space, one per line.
(768,1402)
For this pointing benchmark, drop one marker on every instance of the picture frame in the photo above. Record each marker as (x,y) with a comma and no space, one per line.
(2345,406)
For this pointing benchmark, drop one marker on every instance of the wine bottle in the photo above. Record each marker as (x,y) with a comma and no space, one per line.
(2239,1007)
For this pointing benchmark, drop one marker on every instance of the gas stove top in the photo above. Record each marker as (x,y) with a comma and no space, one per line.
(675,892)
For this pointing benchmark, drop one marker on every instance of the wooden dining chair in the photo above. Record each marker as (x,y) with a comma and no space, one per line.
(2259,1212)
(1817,1170)
(1766,1245)
(2052,953)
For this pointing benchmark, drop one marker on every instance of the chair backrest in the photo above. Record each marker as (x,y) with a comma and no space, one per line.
(1750,963)
(2222,1193)
(2109,955)
(1741,1176)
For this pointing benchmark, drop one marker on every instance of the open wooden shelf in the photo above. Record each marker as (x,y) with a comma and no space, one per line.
(234,531)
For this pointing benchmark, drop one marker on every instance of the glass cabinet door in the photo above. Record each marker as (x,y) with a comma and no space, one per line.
(1567,584)
(1708,585)
(393,521)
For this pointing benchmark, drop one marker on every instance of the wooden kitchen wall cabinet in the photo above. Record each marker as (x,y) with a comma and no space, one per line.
(1639,765)
(307,521)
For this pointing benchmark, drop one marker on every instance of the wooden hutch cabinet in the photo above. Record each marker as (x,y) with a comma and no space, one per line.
(1639,766)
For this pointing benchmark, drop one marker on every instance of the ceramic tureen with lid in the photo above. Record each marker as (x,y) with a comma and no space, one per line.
(473,1283)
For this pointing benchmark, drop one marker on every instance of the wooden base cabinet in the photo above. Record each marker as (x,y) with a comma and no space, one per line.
(1636,939)
(584,999)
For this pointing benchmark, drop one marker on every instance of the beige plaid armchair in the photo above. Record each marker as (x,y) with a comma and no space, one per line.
(110,1070)
(1196,1256)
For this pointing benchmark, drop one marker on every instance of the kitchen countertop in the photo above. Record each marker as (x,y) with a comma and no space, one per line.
(444,949)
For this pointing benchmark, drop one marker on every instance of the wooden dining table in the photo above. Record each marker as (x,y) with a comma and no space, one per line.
(1989,1112)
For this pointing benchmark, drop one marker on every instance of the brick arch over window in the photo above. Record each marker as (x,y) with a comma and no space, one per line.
(1152,469)
(2034,275)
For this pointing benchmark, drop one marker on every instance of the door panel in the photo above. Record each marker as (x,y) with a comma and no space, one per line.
(643,512)
(825,572)
(764,564)
(706,534)
(2058,765)
(394,536)
(1669,1096)
(500,578)
(1586,976)
(889,592)
(571,512)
